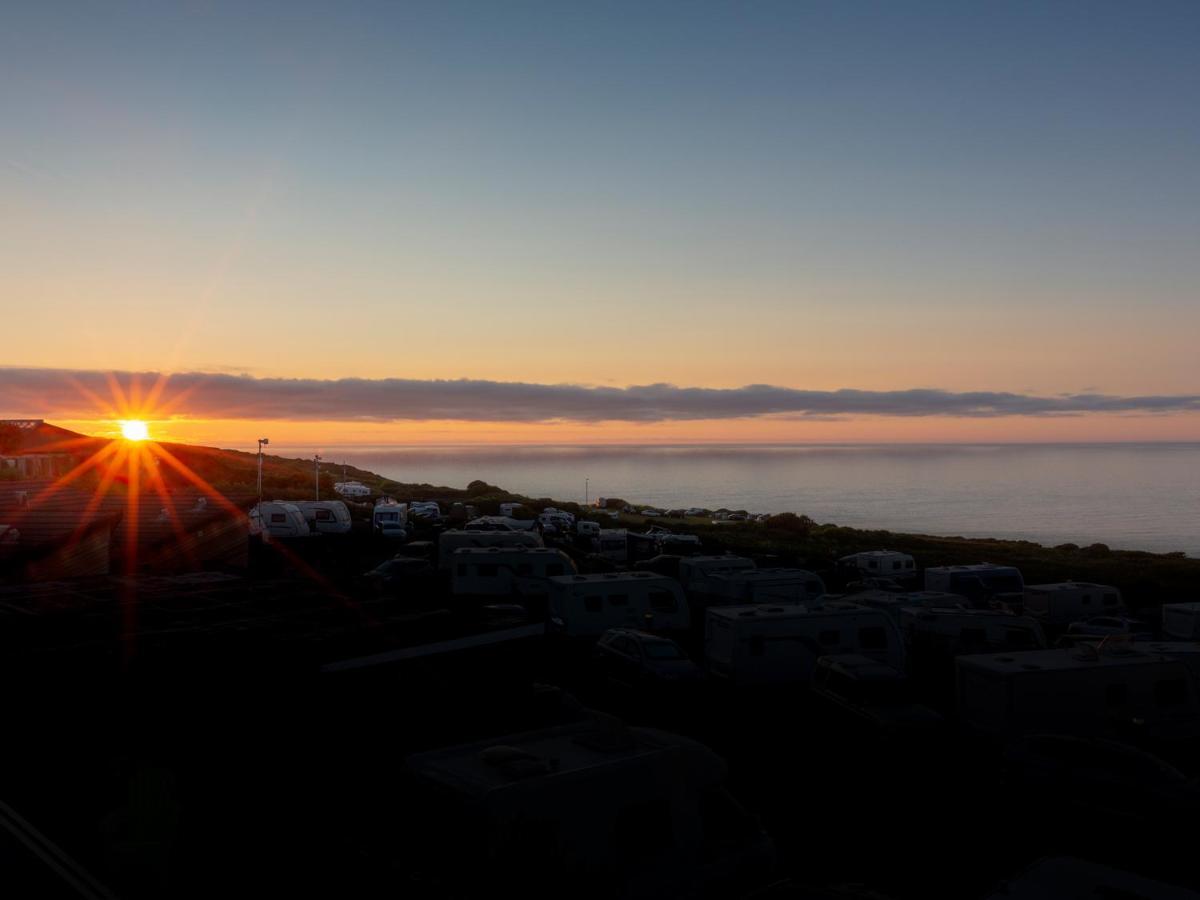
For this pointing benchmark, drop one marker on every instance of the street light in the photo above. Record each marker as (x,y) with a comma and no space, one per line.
(262,442)
(317,475)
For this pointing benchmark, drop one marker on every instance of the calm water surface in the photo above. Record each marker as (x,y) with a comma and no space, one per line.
(1130,496)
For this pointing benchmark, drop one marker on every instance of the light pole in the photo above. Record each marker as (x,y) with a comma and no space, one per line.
(262,442)
(585,492)
(317,475)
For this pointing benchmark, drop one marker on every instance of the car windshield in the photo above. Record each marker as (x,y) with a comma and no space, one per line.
(663,650)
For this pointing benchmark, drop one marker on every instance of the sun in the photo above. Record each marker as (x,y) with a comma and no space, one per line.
(134,429)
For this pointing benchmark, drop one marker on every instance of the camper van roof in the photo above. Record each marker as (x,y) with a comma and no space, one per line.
(1189,606)
(863,668)
(887,598)
(768,575)
(728,559)
(493,551)
(1067,586)
(479,768)
(1056,660)
(783,610)
(874,553)
(609,577)
(976,567)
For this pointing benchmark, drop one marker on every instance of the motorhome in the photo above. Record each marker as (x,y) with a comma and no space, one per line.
(631,812)
(450,541)
(696,573)
(355,490)
(388,515)
(589,605)
(885,563)
(1181,621)
(1066,602)
(613,545)
(893,604)
(506,571)
(780,644)
(958,631)
(425,509)
(766,586)
(282,520)
(325,516)
(983,584)
(1113,689)
(499,523)
(584,528)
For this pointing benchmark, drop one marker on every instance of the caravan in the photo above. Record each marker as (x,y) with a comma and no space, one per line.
(390,519)
(506,571)
(281,520)
(355,490)
(1085,690)
(325,516)
(697,573)
(894,604)
(1181,621)
(450,541)
(781,644)
(589,605)
(1069,601)
(880,564)
(766,586)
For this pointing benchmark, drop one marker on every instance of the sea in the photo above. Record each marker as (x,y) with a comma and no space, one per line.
(1143,496)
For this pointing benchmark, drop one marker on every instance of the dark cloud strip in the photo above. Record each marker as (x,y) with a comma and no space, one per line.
(63,393)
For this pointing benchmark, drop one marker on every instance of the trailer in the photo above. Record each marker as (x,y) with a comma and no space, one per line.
(767,586)
(1058,605)
(506,571)
(589,605)
(326,516)
(451,541)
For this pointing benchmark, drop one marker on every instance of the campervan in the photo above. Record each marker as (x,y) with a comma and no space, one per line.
(954,632)
(982,584)
(584,528)
(766,644)
(589,605)
(510,509)
(425,509)
(355,490)
(635,811)
(883,563)
(1181,621)
(697,572)
(506,571)
(282,520)
(766,586)
(450,541)
(1084,690)
(1066,602)
(325,516)
(389,515)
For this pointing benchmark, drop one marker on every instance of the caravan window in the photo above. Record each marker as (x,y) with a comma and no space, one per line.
(662,601)
(324,515)
(1172,692)
(872,638)
(591,603)
(278,517)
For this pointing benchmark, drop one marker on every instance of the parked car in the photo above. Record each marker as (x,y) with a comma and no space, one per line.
(1103,626)
(400,572)
(635,658)
(870,693)
(651,512)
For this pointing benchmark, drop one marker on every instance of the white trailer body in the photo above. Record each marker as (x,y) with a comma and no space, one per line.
(589,605)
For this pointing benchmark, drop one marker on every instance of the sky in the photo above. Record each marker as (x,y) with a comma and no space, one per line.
(316,216)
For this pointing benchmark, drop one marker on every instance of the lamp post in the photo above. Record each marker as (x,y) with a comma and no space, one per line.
(262,442)
(585,492)
(317,475)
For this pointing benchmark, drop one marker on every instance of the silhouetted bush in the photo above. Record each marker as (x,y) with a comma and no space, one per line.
(791,522)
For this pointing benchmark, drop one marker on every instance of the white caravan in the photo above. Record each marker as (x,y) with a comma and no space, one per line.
(389,515)
(584,528)
(955,632)
(506,571)
(589,605)
(1084,690)
(593,786)
(281,519)
(510,509)
(696,573)
(1069,601)
(1181,621)
(894,604)
(325,516)
(767,586)
(355,490)
(880,563)
(763,644)
(450,541)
